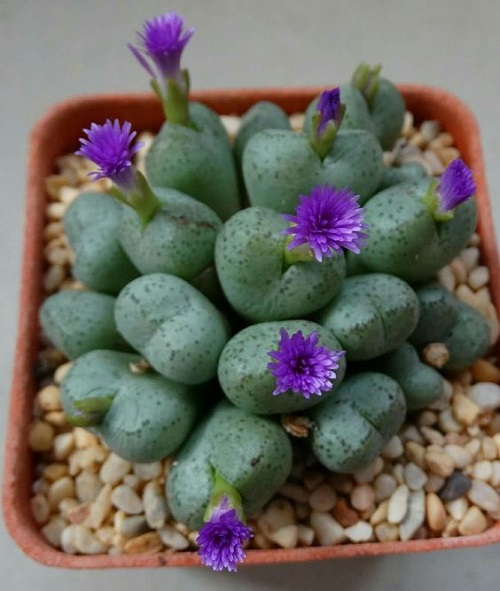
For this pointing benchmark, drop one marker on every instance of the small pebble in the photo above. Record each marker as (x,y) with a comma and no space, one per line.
(323,498)
(360,532)
(485,371)
(455,486)
(148,471)
(101,507)
(470,257)
(67,540)
(313,479)
(278,514)
(457,508)
(398,504)
(64,444)
(114,469)
(434,483)
(53,530)
(49,398)
(447,422)
(368,474)
(286,537)
(495,476)
(147,543)
(484,496)
(479,277)
(459,270)
(439,463)
(387,532)
(446,278)
(380,513)
(64,488)
(155,505)
(328,531)
(414,476)
(460,455)
(489,448)
(436,513)
(344,514)
(433,436)
(473,523)
(415,453)
(414,517)
(464,409)
(411,433)
(482,470)
(61,371)
(41,436)
(172,538)
(131,526)
(53,472)
(294,492)
(126,499)
(486,395)
(394,449)
(40,508)
(384,486)
(362,497)
(305,535)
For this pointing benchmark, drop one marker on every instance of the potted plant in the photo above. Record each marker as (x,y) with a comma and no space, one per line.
(129,536)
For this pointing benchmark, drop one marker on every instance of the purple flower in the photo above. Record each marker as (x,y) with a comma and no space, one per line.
(163,41)
(108,146)
(456,185)
(328,220)
(302,366)
(221,539)
(329,108)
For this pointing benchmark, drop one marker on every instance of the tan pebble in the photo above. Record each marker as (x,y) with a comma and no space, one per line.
(368,474)
(258,541)
(53,185)
(483,297)
(231,124)
(447,155)
(434,483)
(484,496)
(133,481)
(49,398)
(439,463)
(172,538)
(434,162)
(88,486)
(344,514)
(459,270)
(86,542)
(460,455)
(105,535)
(387,532)
(398,504)
(465,410)
(485,371)
(451,529)
(418,140)
(114,469)
(57,256)
(53,472)
(126,499)
(430,130)
(436,355)
(147,471)
(398,473)
(380,513)
(464,378)
(388,158)
(473,523)
(432,435)
(79,513)
(101,507)
(286,537)
(384,486)
(278,514)
(473,446)
(465,294)
(147,543)
(41,436)
(415,453)
(426,418)
(40,486)
(302,510)
(495,475)
(446,278)
(52,231)
(56,418)
(67,540)
(328,531)
(322,498)
(362,531)
(341,482)
(53,530)
(312,479)
(294,492)
(436,513)
(411,433)
(479,277)
(305,535)
(394,448)
(470,257)
(66,506)
(119,541)
(496,439)
(445,139)
(414,476)
(64,488)
(482,470)
(55,211)
(155,505)
(61,371)
(192,537)
(63,446)
(362,497)
(84,438)
(40,508)
(53,278)
(457,508)
(297,121)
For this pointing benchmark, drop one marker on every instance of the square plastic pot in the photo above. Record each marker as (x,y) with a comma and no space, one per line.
(56,134)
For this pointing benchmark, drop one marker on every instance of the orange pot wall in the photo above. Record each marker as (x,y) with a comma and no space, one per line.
(57,134)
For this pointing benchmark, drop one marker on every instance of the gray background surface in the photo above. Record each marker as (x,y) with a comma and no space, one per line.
(52,49)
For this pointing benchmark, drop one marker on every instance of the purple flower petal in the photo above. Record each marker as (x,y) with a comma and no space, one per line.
(108,146)
(330,108)
(221,539)
(302,366)
(456,185)
(163,40)
(328,220)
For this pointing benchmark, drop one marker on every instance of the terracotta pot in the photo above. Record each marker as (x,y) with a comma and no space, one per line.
(57,134)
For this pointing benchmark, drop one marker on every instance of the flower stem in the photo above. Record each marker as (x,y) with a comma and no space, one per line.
(141,199)
(322,142)
(431,202)
(222,489)
(175,99)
